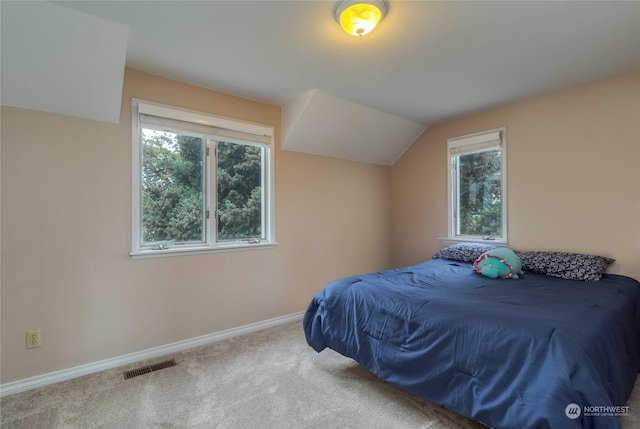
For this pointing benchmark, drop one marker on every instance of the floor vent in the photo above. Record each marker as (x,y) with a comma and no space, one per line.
(149,368)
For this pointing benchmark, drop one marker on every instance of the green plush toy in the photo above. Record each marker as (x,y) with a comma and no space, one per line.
(499,262)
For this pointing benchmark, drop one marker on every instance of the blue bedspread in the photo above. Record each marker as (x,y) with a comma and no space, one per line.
(508,353)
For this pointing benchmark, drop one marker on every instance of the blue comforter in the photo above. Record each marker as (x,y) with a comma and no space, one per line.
(534,352)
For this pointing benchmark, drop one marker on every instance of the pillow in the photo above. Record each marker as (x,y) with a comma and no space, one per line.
(570,266)
(500,262)
(464,252)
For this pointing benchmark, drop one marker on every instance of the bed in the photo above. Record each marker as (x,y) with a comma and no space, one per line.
(539,351)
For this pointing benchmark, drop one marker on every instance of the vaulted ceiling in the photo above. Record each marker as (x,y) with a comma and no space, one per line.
(365,99)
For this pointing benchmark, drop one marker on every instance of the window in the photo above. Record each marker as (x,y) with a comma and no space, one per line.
(477,187)
(200,182)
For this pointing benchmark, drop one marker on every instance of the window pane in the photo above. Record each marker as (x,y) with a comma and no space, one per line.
(240,199)
(480,194)
(173,204)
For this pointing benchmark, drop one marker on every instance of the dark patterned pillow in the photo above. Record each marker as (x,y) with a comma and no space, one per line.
(571,266)
(464,252)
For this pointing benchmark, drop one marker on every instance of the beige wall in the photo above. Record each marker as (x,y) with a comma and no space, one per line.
(573,176)
(66,222)
(574,184)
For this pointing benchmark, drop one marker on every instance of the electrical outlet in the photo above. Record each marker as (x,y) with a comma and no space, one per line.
(33,339)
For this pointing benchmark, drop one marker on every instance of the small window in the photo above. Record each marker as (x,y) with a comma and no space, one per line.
(477,187)
(200,182)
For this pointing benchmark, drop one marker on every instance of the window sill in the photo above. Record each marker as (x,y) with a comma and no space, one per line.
(177,251)
(449,241)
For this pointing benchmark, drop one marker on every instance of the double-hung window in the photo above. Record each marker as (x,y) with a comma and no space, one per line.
(477,187)
(200,182)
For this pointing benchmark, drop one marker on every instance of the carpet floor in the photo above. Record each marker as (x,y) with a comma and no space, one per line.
(266,379)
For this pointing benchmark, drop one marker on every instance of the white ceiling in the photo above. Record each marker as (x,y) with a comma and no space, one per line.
(427,61)
(58,60)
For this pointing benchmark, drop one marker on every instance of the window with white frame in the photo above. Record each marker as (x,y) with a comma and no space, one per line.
(477,186)
(200,182)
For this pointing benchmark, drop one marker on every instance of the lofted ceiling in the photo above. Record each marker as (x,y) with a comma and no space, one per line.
(365,99)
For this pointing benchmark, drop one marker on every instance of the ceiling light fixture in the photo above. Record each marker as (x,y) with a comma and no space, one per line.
(359,17)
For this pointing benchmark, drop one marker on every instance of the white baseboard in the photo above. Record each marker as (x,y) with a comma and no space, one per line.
(79,371)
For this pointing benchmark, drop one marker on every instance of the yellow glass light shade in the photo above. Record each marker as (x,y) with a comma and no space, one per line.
(359,17)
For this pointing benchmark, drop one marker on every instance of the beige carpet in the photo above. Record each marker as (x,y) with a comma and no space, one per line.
(268,379)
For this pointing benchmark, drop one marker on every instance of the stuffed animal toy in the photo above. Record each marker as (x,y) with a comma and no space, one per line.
(499,262)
